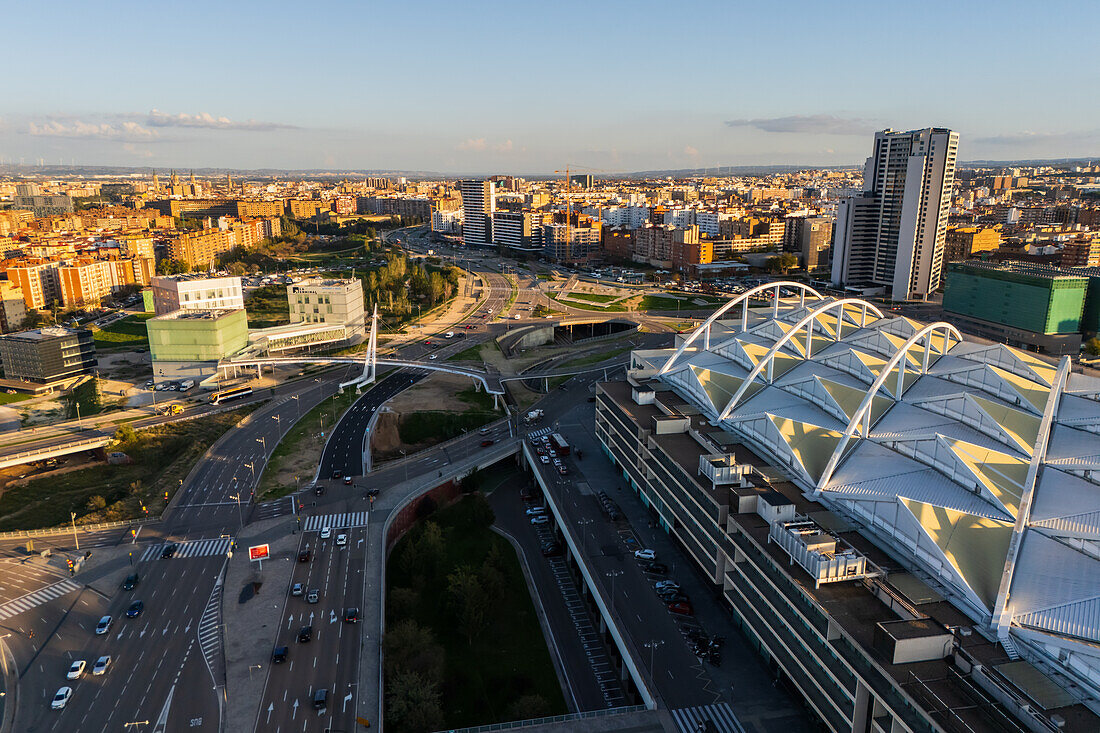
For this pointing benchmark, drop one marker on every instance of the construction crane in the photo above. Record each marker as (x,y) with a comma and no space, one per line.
(569,197)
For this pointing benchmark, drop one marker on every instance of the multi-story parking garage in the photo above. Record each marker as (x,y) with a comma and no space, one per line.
(905,523)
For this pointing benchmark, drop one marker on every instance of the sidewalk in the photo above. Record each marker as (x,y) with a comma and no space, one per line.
(252,625)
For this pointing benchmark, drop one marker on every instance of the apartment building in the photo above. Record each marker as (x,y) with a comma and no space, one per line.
(304,208)
(892,236)
(196,293)
(962,243)
(12,308)
(86,282)
(478,206)
(37,281)
(812,238)
(447,222)
(29,197)
(654,244)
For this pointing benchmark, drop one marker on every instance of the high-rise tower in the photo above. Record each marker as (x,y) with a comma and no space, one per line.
(478,205)
(893,234)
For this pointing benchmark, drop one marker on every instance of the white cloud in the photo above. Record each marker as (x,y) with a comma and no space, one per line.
(691,152)
(123,131)
(208,121)
(1029,137)
(504,147)
(473,144)
(811,124)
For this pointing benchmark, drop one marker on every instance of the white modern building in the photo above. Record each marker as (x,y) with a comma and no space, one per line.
(912,532)
(447,222)
(478,205)
(333,302)
(196,293)
(891,237)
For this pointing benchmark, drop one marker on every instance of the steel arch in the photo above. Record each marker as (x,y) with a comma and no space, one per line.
(808,319)
(863,411)
(742,298)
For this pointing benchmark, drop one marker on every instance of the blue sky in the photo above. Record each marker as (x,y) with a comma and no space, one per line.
(526,87)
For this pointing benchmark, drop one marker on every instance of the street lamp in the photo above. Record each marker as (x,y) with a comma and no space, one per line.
(75,538)
(403,457)
(613,574)
(240,516)
(278,422)
(297,408)
(652,647)
(252,468)
(584,532)
(262,442)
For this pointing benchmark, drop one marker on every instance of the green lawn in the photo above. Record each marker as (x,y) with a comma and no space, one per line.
(613,308)
(267,307)
(7,399)
(484,670)
(162,456)
(663,303)
(471,354)
(591,297)
(430,426)
(123,335)
(594,358)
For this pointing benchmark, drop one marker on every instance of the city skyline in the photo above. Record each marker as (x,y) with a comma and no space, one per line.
(380,88)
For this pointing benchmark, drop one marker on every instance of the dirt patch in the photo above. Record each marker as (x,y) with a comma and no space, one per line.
(435,392)
(386,438)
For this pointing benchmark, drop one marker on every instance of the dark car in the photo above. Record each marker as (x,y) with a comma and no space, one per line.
(319,489)
(674,596)
(351,616)
(168,551)
(655,567)
(487,443)
(337,474)
(131,581)
(135,609)
(305,634)
(279,655)
(304,556)
(347,480)
(320,699)
(681,607)
(551,549)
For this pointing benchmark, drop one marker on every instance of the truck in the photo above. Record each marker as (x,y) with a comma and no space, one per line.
(558,444)
(533,417)
(449,335)
(186,384)
(170,410)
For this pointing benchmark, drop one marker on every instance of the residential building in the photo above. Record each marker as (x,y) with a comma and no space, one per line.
(85,282)
(812,238)
(654,244)
(189,343)
(447,222)
(517,231)
(38,282)
(1033,306)
(12,308)
(196,293)
(304,208)
(200,248)
(1082,251)
(892,236)
(912,575)
(964,243)
(47,355)
(27,196)
(478,206)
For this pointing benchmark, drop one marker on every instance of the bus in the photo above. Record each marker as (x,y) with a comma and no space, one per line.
(230,394)
(558,444)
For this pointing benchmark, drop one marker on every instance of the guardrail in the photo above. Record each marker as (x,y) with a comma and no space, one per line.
(79,528)
(424,451)
(550,719)
(59,446)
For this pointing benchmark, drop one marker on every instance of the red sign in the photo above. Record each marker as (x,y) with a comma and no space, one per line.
(258,552)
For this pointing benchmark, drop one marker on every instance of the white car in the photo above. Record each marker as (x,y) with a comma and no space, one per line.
(103,626)
(76,671)
(326,532)
(544,459)
(645,555)
(101,665)
(432,357)
(540,519)
(535,510)
(341,539)
(61,698)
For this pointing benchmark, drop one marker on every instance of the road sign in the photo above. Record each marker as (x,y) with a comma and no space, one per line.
(258,552)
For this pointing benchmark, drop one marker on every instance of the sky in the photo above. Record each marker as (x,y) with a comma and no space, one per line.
(531,87)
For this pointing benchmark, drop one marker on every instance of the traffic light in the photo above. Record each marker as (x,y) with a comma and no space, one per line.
(166,496)
(144,509)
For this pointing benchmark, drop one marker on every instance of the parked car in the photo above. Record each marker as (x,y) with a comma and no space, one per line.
(551,549)
(103,626)
(101,665)
(61,699)
(662,584)
(544,459)
(540,519)
(655,567)
(535,510)
(645,555)
(76,670)
(681,607)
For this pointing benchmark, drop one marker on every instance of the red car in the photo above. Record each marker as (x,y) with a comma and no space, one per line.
(487,443)
(681,607)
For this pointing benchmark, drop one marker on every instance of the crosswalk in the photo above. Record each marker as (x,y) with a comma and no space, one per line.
(718,718)
(37,598)
(193,548)
(540,432)
(209,626)
(335,521)
(272,509)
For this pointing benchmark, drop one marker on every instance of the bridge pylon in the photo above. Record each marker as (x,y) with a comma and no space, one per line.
(370,361)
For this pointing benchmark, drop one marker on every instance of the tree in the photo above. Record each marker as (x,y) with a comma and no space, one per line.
(781,264)
(1092,346)
(468,598)
(236,268)
(528,707)
(412,648)
(471,482)
(125,435)
(173,266)
(413,704)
